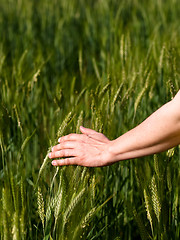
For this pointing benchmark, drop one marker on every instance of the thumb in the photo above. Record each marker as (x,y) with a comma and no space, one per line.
(93,134)
(87,131)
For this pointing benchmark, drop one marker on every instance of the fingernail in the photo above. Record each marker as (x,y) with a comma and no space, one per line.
(53,163)
(52,149)
(59,139)
(49,155)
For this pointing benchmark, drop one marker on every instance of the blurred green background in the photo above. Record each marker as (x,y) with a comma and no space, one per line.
(104,64)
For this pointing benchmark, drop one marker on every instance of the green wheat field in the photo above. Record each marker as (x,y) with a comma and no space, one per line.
(103,64)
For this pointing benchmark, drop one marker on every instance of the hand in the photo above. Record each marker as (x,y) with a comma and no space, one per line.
(88,149)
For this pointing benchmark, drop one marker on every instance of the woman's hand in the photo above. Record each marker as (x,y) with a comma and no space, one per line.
(157,133)
(88,149)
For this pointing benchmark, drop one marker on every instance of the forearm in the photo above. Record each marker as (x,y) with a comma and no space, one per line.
(157,133)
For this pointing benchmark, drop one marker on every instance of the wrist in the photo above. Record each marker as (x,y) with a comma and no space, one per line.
(113,155)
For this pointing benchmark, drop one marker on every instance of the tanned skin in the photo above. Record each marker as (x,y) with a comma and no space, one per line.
(158,133)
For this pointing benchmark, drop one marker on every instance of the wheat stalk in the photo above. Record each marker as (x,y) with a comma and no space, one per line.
(40,203)
(93,184)
(104,90)
(44,164)
(79,122)
(142,229)
(71,207)
(160,65)
(58,207)
(169,178)
(54,177)
(170,152)
(80,61)
(88,216)
(148,208)
(22,222)
(85,222)
(76,176)
(6,227)
(157,167)
(48,213)
(13,192)
(96,69)
(122,49)
(80,96)
(155,198)
(64,124)
(18,119)
(140,95)
(15,228)
(116,97)
(83,173)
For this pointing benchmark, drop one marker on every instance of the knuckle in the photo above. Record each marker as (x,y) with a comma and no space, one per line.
(66,138)
(81,158)
(66,144)
(62,145)
(56,154)
(55,148)
(63,153)
(67,161)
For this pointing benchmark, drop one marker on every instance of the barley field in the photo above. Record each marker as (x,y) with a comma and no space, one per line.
(103,64)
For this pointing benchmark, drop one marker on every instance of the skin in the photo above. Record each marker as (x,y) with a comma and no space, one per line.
(158,133)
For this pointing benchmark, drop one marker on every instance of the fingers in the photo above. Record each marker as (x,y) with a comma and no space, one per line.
(65,145)
(65,162)
(87,133)
(63,153)
(75,149)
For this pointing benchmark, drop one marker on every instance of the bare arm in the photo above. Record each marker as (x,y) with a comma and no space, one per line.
(159,132)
